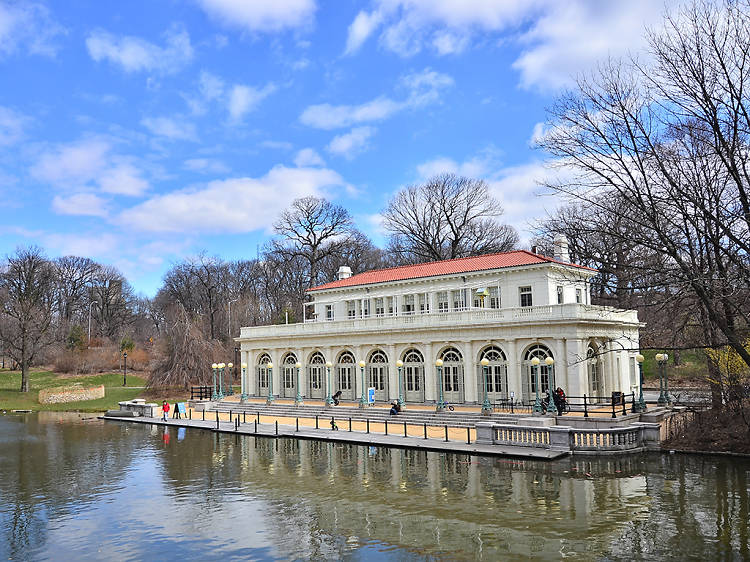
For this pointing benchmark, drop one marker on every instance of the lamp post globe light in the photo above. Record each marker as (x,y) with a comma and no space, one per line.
(535,373)
(662,359)
(441,403)
(329,398)
(400,367)
(363,400)
(230,384)
(486,406)
(550,384)
(220,393)
(243,396)
(270,383)
(298,399)
(641,402)
(214,394)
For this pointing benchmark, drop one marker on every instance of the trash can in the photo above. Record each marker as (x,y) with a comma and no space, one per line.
(617,397)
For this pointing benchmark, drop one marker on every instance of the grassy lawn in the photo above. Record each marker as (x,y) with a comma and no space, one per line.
(12,399)
(692,368)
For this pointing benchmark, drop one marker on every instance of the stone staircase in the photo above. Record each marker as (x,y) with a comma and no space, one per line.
(374,414)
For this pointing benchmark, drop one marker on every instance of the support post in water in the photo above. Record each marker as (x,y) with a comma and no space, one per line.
(297,420)
(350,425)
(468,436)
(244,417)
(368,425)
(624,411)
(316,421)
(446,433)
(277,427)
(404,429)
(204,415)
(386,427)
(614,415)
(425,431)
(585,407)
(217,419)
(258,416)
(256,427)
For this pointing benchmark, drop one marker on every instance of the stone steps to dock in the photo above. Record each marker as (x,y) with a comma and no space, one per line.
(457,418)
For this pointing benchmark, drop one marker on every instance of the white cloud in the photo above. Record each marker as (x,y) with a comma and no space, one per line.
(90,245)
(11,126)
(352,143)
(211,86)
(263,16)
(206,166)
(134,54)
(276,145)
(472,168)
(91,164)
(424,87)
(27,26)
(360,29)
(170,128)
(231,205)
(122,179)
(308,157)
(244,99)
(80,204)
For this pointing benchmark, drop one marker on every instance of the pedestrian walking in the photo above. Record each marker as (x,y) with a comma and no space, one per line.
(165,410)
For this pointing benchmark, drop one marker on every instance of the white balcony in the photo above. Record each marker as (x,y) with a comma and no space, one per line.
(464,318)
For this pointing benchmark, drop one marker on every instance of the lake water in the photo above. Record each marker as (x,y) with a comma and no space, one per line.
(84,489)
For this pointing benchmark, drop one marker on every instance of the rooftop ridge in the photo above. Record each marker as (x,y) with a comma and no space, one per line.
(375,276)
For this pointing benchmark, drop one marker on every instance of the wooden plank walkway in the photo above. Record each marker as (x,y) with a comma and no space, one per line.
(352,437)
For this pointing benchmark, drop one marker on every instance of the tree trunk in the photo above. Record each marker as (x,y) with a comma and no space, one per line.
(25,377)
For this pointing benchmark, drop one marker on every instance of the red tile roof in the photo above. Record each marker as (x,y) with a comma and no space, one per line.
(446,267)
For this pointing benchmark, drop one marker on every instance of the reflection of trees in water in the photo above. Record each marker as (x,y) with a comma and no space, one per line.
(50,469)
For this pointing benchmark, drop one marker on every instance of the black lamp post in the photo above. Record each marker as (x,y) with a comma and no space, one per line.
(125,369)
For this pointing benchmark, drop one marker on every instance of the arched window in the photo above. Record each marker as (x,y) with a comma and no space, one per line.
(493,354)
(541,373)
(594,367)
(453,370)
(262,369)
(315,369)
(345,371)
(377,373)
(346,357)
(451,355)
(288,363)
(413,356)
(495,380)
(413,371)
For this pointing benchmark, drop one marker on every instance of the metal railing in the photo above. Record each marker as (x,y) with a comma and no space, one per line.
(200,392)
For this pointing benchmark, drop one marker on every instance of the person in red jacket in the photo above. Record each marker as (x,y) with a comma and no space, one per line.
(165,409)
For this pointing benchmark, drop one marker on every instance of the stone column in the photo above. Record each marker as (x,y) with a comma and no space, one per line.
(276,374)
(300,353)
(392,372)
(328,353)
(430,388)
(561,371)
(514,369)
(577,375)
(471,392)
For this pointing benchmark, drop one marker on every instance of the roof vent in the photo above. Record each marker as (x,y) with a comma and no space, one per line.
(561,248)
(344,272)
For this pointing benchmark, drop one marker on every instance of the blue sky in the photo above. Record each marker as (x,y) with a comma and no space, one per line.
(138,133)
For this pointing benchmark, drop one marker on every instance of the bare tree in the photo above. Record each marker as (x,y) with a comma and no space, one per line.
(312,229)
(114,301)
(446,217)
(668,139)
(26,295)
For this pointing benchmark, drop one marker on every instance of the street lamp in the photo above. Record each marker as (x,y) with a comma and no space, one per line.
(125,369)
(641,402)
(535,373)
(270,383)
(662,359)
(441,404)
(400,367)
(220,393)
(363,400)
(298,399)
(486,406)
(244,396)
(329,398)
(214,394)
(230,385)
(550,384)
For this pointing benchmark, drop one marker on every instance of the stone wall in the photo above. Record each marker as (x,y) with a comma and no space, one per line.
(70,394)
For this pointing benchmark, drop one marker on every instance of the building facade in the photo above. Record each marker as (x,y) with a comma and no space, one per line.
(386,329)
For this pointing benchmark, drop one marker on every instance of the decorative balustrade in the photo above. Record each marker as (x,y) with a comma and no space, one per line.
(636,436)
(467,317)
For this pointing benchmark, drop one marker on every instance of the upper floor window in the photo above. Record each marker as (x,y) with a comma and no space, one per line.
(390,306)
(408,307)
(458,300)
(559,294)
(494,297)
(525,293)
(442,298)
(578,295)
(424,303)
(329,312)
(379,307)
(351,309)
(365,308)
